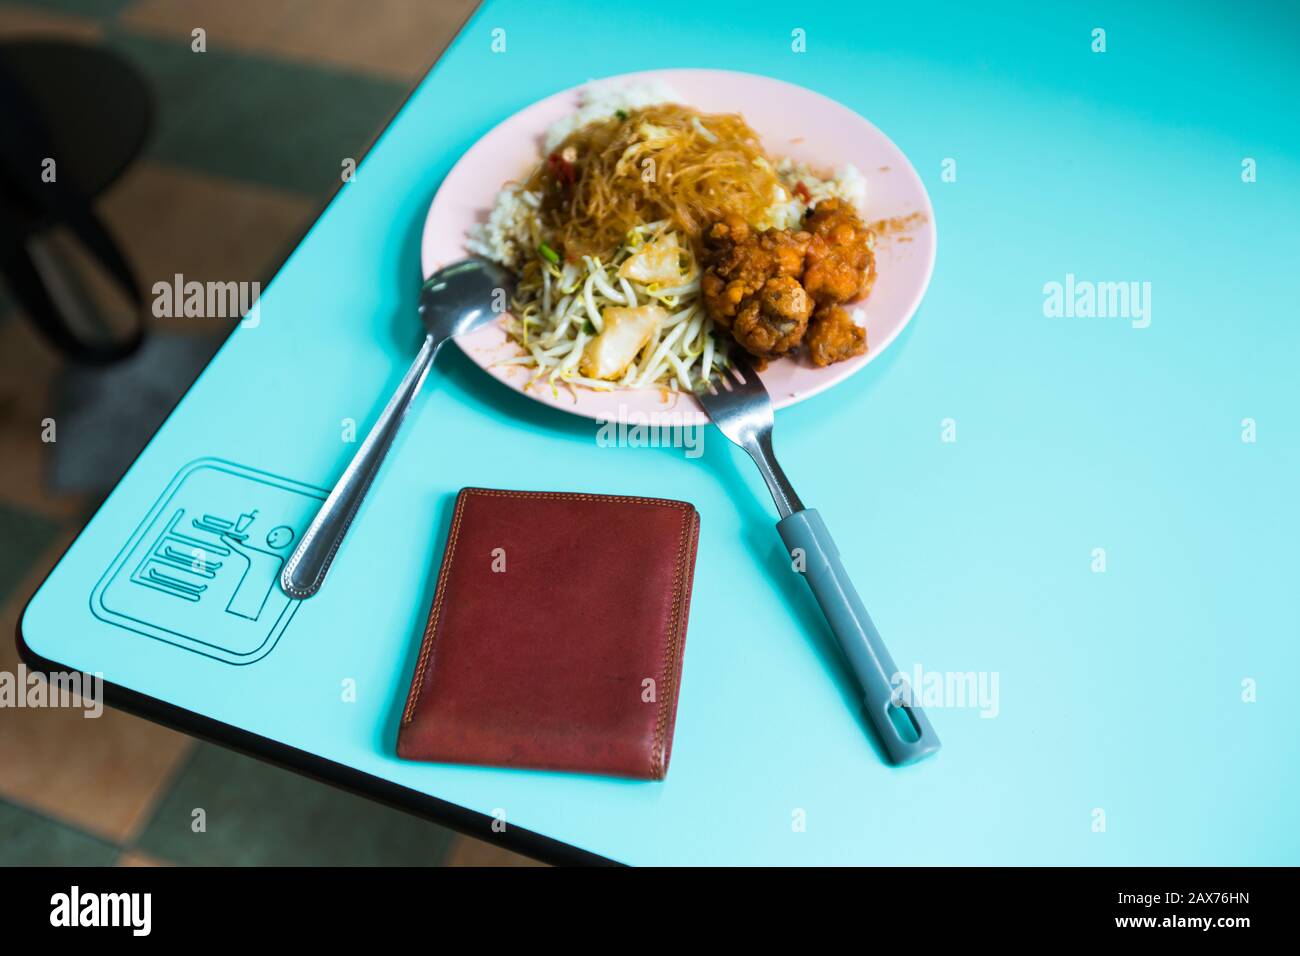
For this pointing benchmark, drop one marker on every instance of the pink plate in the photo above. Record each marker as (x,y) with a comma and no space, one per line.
(792,121)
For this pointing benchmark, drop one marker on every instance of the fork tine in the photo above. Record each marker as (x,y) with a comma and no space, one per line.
(741,408)
(742,369)
(732,385)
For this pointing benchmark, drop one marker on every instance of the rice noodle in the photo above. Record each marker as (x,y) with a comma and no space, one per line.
(662,162)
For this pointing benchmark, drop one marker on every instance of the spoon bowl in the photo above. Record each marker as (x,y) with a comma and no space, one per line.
(462,296)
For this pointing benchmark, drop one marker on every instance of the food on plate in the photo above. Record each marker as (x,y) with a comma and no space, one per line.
(654,163)
(751,285)
(840,267)
(652,238)
(626,332)
(833,336)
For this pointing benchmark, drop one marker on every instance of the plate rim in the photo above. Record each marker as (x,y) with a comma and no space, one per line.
(694,413)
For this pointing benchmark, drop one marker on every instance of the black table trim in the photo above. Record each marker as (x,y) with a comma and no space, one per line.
(443,812)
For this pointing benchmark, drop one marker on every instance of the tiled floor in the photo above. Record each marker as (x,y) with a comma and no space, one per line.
(306,30)
(284,124)
(227,810)
(246,147)
(49,19)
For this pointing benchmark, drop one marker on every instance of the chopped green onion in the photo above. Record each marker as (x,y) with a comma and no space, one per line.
(549,254)
(589,327)
(621,114)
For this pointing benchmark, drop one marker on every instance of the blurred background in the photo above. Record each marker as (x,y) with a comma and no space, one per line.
(200,138)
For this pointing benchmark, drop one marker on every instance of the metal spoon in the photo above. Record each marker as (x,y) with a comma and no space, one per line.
(454,300)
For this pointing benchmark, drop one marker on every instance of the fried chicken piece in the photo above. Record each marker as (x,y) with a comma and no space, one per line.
(833,336)
(840,264)
(787,249)
(739,262)
(729,278)
(773,322)
(751,287)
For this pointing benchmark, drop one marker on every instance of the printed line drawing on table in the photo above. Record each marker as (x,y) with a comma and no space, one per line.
(200,570)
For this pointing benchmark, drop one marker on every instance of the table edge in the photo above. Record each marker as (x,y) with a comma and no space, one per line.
(426,806)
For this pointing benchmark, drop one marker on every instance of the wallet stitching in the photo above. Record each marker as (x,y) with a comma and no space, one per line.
(577,496)
(669,674)
(427,643)
(421,665)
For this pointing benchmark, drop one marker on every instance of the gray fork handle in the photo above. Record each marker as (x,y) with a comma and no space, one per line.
(888,705)
(305,573)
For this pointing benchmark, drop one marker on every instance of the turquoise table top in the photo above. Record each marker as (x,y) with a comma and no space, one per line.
(1091,522)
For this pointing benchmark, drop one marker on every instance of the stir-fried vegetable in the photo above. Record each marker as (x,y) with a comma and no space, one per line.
(635,321)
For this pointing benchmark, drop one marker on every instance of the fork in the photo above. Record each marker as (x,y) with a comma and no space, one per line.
(739,405)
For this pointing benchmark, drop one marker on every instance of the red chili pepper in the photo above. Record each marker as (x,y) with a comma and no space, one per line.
(802,192)
(565,172)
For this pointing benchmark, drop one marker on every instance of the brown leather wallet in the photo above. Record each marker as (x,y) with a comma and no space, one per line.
(556,634)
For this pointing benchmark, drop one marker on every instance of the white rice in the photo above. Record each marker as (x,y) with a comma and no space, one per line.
(787,209)
(506,237)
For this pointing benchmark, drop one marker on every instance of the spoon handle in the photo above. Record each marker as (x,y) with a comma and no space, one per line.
(303,575)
